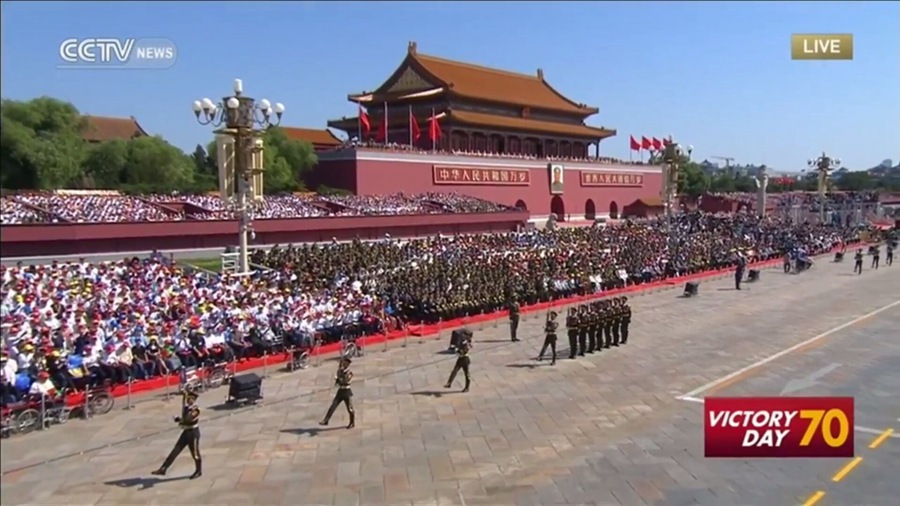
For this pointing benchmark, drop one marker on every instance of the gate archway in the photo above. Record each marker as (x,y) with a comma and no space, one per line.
(614,210)
(590,210)
(520,204)
(558,207)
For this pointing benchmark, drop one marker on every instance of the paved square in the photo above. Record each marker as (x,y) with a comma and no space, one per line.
(606,429)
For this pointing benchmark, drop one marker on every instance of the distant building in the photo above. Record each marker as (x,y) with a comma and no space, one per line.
(321,139)
(102,128)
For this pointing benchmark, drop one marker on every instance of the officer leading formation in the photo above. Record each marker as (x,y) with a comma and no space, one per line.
(189,421)
(342,379)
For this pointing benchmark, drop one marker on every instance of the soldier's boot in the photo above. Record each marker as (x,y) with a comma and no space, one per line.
(592,343)
(198,469)
(329,414)
(352,420)
(159,472)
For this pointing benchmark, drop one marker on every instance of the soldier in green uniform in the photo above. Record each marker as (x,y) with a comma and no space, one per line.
(550,329)
(572,330)
(607,325)
(615,314)
(514,309)
(189,421)
(342,380)
(583,323)
(625,319)
(462,363)
(592,327)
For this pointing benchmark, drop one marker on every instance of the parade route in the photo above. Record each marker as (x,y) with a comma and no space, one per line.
(610,428)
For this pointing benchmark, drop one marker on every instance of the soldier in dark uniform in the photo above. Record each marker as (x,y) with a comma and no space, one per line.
(189,421)
(615,317)
(625,320)
(583,323)
(342,379)
(550,329)
(739,269)
(607,325)
(890,254)
(876,256)
(513,320)
(593,322)
(572,329)
(462,363)
(858,262)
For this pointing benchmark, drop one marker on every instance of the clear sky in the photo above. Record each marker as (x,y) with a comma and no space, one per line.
(717,75)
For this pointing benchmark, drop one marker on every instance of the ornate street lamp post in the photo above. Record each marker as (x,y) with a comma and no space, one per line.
(823,165)
(238,117)
(673,165)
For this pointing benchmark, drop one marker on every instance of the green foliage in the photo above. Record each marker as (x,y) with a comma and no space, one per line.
(42,147)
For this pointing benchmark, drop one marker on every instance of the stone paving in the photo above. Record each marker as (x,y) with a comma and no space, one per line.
(606,429)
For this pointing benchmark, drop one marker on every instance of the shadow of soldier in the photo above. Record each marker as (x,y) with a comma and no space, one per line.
(143,483)
(310,431)
(437,394)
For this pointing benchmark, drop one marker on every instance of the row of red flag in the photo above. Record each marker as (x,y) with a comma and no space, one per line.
(415,133)
(648,144)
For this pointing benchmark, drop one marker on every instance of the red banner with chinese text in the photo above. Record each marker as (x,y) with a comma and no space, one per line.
(590,178)
(451,175)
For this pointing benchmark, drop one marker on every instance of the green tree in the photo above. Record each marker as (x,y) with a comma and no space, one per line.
(155,165)
(105,164)
(855,181)
(299,155)
(695,181)
(40,144)
(201,161)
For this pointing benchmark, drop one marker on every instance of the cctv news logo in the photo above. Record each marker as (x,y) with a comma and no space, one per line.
(766,427)
(114,53)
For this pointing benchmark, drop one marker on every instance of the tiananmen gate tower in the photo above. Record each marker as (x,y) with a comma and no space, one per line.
(446,126)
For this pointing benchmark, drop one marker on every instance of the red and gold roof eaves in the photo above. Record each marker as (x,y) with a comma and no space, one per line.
(528,125)
(466,80)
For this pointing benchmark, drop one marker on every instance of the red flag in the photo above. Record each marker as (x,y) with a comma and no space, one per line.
(434,128)
(414,131)
(635,145)
(657,144)
(364,125)
(646,144)
(382,134)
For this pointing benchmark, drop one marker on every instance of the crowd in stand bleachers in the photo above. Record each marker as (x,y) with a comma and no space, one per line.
(97,208)
(406,148)
(85,324)
(112,208)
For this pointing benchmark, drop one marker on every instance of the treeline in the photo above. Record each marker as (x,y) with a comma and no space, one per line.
(42,147)
(696,182)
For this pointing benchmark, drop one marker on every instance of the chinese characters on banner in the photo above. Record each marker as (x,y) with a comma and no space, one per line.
(478,176)
(611,179)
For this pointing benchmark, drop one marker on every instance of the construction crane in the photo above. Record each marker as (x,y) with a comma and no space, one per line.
(727,160)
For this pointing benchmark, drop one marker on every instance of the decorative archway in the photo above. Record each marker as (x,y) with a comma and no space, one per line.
(520,205)
(590,210)
(614,210)
(558,207)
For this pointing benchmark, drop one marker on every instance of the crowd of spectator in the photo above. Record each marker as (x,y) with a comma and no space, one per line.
(406,148)
(84,323)
(113,208)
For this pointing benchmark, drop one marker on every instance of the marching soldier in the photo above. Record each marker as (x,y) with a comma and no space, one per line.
(462,363)
(550,329)
(889,259)
(342,379)
(572,329)
(607,324)
(189,421)
(615,316)
(625,320)
(583,323)
(514,311)
(593,322)
(858,262)
(876,256)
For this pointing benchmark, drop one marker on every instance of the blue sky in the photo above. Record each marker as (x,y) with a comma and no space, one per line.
(715,75)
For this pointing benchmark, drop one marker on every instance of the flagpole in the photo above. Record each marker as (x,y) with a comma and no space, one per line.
(387,134)
(358,123)
(630,150)
(432,129)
